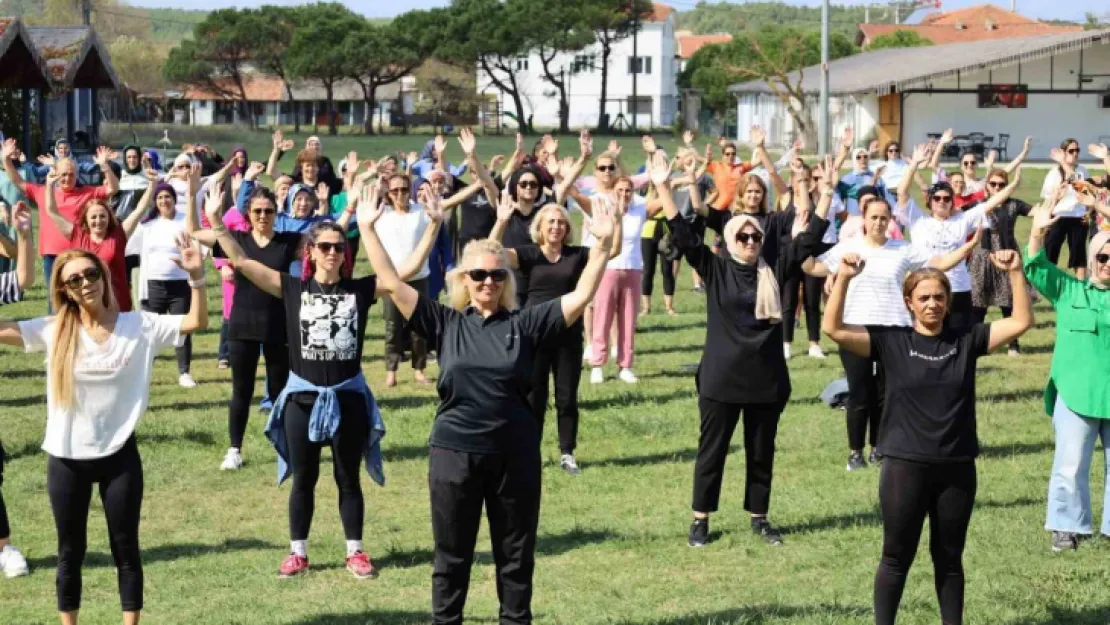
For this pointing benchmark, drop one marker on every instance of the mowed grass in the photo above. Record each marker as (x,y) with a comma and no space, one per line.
(612,542)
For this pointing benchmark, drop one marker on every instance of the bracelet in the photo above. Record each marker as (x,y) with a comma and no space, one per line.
(197,283)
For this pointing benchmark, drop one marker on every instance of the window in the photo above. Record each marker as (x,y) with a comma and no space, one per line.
(202,104)
(639,65)
(522,63)
(583,63)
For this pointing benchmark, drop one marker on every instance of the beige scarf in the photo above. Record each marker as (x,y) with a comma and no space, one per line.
(768,299)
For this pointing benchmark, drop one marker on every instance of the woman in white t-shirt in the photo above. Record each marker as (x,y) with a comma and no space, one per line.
(1071,226)
(99,363)
(875,298)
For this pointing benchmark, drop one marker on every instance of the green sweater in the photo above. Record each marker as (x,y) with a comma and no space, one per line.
(1081,359)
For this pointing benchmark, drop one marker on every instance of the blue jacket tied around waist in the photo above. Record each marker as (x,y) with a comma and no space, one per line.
(324,421)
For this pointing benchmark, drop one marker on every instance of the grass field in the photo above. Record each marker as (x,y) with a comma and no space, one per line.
(612,545)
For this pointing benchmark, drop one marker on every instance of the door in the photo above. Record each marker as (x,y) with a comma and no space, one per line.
(890,119)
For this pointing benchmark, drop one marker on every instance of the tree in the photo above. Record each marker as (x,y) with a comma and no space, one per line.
(138,63)
(270,47)
(899,39)
(611,22)
(554,29)
(317,51)
(110,18)
(447,89)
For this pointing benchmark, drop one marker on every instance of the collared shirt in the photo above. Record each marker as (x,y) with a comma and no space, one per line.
(485,374)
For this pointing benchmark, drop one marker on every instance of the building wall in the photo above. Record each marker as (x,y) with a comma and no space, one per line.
(768,112)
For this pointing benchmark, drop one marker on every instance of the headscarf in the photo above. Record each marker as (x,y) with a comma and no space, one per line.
(138,170)
(60,142)
(768,302)
(235,169)
(1097,243)
(429,151)
(165,186)
(155,160)
(294,189)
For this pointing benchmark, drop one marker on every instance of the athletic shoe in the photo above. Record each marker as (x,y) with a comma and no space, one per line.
(587,354)
(294,565)
(786,351)
(699,288)
(568,464)
(360,566)
(1064,541)
(186,381)
(13,563)
(762,527)
(815,352)
(699,533)
(627,376)
(875,457)
(855,461)
(233,461)
(1013,352)
(222,363)
(597,376)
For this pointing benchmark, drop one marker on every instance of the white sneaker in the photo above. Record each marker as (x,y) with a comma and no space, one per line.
(233,461)
(587,354)
(815,352)
(186,381)
(627,376)
(786,350)
(597,376)
(613,352)
(13,563)
(567,463)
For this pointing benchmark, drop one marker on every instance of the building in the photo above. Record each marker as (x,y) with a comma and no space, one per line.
(653,102)
(688,43)
(984,21)
(1050,87)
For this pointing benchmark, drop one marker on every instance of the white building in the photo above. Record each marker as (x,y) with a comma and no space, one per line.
(1048,87)
(654,67)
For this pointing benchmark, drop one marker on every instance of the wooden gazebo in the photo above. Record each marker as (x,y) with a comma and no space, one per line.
(24,69)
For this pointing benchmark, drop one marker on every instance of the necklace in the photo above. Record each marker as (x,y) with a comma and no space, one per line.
(326,289)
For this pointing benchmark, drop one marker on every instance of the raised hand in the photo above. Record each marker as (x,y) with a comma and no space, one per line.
(947,136)
(214,207)
(614,148)
(660,169)
(322,194)
(21,217)
(370,207)
(1006,260)
(873,146)
(351,162)
(432,207)
(648,143)
(550,144)
(191,260)
(411,158)
(554,167)
(988,162)
(440,145)
(1098,150)
(496,162)
(519,145)
(278,138)
(848,138)
(254,170)
(585,143)
(46,159)
(467,141)
(602,223)
(194,177)
(105,154)
(8,149)
(52,178)
(688,138)
(152,176)
(758,136)
(506,207)
(832,175)
(851,265)
(1028,143)
(1042,215)
(1057,156)
(920,153)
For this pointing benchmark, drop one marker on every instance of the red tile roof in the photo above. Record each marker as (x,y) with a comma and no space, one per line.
(689,44)
(259,88)
(659,12)
(985,21)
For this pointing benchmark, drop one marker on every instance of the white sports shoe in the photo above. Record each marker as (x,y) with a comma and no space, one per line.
(587,354)
(786,350)
(567,463)
(815,352)
(186,381)
(627,376)
(13,563)
(597,376)
(233,461)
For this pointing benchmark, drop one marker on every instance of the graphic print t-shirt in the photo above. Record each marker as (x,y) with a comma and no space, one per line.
(326,325)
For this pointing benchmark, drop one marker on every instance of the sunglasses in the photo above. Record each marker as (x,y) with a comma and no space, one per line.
(91,275)
(754,237)
(399,190)
(1073,151)
(969,163)
(528,184)
(996,184)
(1102,258)
(862,157)
(607,168)
(328,248)
(730,153)
(263,212)
(480,275)
(892,150)
(942,198)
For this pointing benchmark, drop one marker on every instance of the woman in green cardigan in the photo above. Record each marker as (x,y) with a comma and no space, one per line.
(1077,395)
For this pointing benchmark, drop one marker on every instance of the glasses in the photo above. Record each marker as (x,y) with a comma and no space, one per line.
(528,184)
(996,184)
(730,153)
(969,163)
(607,168)
(942,198)
(862,157)
(263,212)
(480,275)
(399,190)
(91,275)
(1073,150)
(754,237)
(328,248)
(1102,258)
(889,150)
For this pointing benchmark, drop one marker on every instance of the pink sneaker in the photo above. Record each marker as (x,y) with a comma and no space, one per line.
(360,566)
(293,565)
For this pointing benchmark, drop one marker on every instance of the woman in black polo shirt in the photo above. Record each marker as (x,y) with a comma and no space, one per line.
(928,436)
(485,441)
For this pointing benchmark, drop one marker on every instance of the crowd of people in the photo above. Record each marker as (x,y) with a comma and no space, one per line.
(905,291)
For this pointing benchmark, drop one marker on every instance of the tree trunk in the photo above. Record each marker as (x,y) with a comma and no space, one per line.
(330,87)
(370,95)
(293,105)
(518,103)
(602,120)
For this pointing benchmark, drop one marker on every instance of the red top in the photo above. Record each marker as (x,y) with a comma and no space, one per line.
(726,178)
(111,251)
(970,200)
(69,205)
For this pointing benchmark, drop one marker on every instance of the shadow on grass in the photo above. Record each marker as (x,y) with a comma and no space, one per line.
(23,373)
(403,452)
(398,402)
(626,401)
(664,457)
(192,436)
(758,615)
(546,545)
(1023,394)
(1059,616)
(671,328)
(23,402)
(863,518)
(1047,348)
(1016,449)
(370,617)
(211,404)
(670,349)
(167,553)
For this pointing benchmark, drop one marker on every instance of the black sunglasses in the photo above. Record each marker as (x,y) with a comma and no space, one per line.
(91,275)
(730,153)
(480,275)
(862,157)
(942,198)
(994,184)
(260,212)
(1073,150)
(327,248)
(754,237)
(607,168)
(528,184)
(1102,258)
(399,190)
(970,163)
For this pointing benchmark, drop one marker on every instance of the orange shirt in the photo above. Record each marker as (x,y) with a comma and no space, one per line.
(726,178)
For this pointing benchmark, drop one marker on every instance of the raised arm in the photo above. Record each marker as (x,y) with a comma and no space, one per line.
(1102,153)
(947,261)
(920,153)
(855,339)
(571,172)
(281,145)
(192,261)
(111,183)
(575,302)
(1000,197)
(192,220)
(1004,331)
(415,262)
(760,156)
(845,148)
(7,151)
(24,246)
(403,296)
(485,180)
(64,226)
(1020,158)
(942,143)
(262,276)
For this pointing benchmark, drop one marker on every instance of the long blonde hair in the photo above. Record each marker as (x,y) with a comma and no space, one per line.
(67,325)
(456,278)
(536,229)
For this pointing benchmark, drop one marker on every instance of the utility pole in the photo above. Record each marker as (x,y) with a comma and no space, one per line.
(86,12)
(637,67)
(823,119)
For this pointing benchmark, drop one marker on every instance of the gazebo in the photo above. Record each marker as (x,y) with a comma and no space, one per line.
(24,69)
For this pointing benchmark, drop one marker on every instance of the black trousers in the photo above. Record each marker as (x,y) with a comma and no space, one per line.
(5,528)
(564,361)
(221,351)
(509,485)
(171,297)
(908,492)
(243,358)
(866,391)
(979,315)
(69,484)
(304,458)
(1070,230)
(650,249)
(960,313)
(814,288)
(718,422)
(398,337)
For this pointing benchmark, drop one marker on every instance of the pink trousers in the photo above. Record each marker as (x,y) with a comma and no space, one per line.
(618,298)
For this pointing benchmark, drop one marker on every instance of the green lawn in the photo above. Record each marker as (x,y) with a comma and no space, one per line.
(612,545)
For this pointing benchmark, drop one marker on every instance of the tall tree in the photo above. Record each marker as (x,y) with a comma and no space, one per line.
(138,63)
(612,21)
(270,48)
(555,29)
(899,39)
(317,51)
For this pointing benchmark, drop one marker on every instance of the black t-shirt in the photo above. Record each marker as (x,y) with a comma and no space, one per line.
(326,325)
(477,216)
(255,314)
(518,234)
(551,280)
(485,374)
(930,392)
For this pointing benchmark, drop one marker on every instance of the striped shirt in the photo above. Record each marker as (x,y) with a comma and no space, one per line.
(875,295)
(9,288)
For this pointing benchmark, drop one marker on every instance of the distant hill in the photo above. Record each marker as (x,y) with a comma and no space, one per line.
(708,18)
(173,25)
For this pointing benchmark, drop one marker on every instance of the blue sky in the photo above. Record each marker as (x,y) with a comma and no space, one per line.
(1057,9)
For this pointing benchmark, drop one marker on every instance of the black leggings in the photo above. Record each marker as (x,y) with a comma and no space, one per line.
(304,458)
(5,529)
(814,288)
(866,387)
(171,297)
(69,483)
(908,492)
(650,248)
(565,362)
(979,315)
(243,357)
(1073,231)
(718,422)
(960,313)
(399,338)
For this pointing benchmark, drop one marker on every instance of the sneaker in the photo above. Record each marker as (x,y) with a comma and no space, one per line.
(597,376)
(786,353)
(294,565)
(587,354)
(875,457)
(699,533)
(1013,352)
(700,288)
(1064,541)
(568,464)
(762,527)
(186,381)
(855,461)
(360,566)
(222,363)
(815,352)
(627,376)
(12,562)
(233,461)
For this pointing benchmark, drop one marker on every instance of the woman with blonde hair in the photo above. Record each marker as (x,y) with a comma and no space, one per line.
(99,363)
(485,440)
